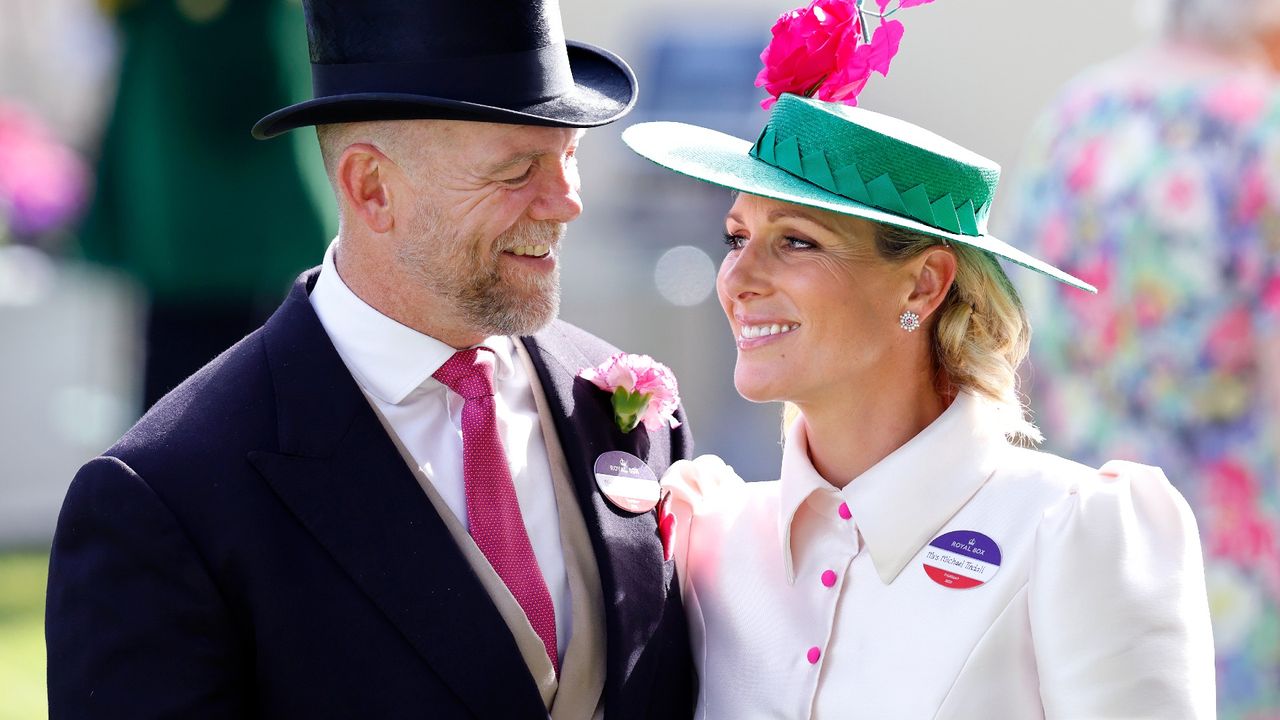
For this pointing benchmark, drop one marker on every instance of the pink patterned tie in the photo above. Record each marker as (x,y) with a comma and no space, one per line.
(493,511)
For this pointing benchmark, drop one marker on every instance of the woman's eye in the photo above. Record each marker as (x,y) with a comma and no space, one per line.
(796,243)
(733,242)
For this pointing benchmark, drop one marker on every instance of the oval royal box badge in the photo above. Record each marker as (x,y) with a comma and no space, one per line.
(627,481)
(962,559)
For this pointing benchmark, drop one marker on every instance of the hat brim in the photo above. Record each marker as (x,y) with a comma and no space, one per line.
(724,160)
(604,90)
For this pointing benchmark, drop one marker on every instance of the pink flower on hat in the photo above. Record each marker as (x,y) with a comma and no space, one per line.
(825,50)
(644,390)
(806,42)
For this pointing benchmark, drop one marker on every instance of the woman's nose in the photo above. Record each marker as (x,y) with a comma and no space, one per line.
(744,272)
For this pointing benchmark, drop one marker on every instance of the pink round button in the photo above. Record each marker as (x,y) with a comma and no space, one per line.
(814,654)
(844,511)
(829,578)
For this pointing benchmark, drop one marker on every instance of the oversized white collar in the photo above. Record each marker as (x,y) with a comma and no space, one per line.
(901,502)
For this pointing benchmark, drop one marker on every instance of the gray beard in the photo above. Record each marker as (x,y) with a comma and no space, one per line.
(473,287)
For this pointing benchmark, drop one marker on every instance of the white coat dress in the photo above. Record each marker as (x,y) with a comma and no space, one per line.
(960,577)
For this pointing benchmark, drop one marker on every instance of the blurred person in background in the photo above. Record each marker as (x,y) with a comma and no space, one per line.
(1156,177)
(211,225)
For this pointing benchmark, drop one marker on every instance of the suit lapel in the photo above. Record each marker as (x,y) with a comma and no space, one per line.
(343,478)
(627,546)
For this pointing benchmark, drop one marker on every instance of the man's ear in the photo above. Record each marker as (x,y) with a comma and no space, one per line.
(935,272)
(363,177)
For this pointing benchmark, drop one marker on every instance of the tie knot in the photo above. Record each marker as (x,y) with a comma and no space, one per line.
(469,373)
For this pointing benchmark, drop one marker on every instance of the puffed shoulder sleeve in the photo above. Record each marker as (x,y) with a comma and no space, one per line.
(1119,613)
(692,488)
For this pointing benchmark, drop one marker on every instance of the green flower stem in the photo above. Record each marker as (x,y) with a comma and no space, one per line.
(814,89)
(628,407)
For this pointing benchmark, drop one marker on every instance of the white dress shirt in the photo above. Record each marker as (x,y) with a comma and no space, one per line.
(810,602)
(393,364)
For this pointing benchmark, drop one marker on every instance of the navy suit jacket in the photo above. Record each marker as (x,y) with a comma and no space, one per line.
(256,547)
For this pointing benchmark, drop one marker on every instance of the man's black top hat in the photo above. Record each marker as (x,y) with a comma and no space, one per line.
(496,61)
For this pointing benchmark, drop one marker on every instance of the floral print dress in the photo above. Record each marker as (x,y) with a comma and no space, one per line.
(1157,178)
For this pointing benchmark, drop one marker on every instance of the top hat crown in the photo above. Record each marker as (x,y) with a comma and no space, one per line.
(501,61)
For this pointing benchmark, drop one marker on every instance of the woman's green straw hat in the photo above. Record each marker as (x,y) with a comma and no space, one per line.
(850,161)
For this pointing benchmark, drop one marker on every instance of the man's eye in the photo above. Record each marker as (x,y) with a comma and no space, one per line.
(520,178)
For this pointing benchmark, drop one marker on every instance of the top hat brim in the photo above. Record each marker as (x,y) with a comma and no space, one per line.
(724,160)
(604,89)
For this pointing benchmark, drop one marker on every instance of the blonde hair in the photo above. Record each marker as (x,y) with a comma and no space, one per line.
(980,333)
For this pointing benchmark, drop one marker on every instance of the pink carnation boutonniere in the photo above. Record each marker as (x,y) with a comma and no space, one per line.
(644,390)
(828,50)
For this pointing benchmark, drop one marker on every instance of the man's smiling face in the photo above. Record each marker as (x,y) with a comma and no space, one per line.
(490,206)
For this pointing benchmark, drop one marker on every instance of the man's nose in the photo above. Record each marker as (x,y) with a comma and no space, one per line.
(557,198)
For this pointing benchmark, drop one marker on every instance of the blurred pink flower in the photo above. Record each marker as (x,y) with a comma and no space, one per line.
(1270,299)
(1240,532)
(1230,343)
(1098,274)
(1101,322)
(1252,199)
(1241,100)
(1180,192)
(1084,170)
(644,390)
(1055,238)
(43,184)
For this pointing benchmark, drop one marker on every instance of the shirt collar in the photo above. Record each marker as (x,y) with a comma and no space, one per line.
(901,502)
(388,359)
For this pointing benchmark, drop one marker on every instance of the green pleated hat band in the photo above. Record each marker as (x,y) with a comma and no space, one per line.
(880,161)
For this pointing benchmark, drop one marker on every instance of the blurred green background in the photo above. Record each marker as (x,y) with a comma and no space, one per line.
(22,580)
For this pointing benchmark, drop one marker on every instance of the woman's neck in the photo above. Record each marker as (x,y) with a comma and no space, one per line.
(850,432)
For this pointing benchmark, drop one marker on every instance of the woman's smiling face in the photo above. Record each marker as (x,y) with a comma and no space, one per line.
(813,307)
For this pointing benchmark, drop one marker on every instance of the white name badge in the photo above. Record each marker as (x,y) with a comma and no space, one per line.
(626,481)
(962,559)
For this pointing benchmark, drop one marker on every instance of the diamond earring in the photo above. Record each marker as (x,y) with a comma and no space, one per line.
(909,321)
